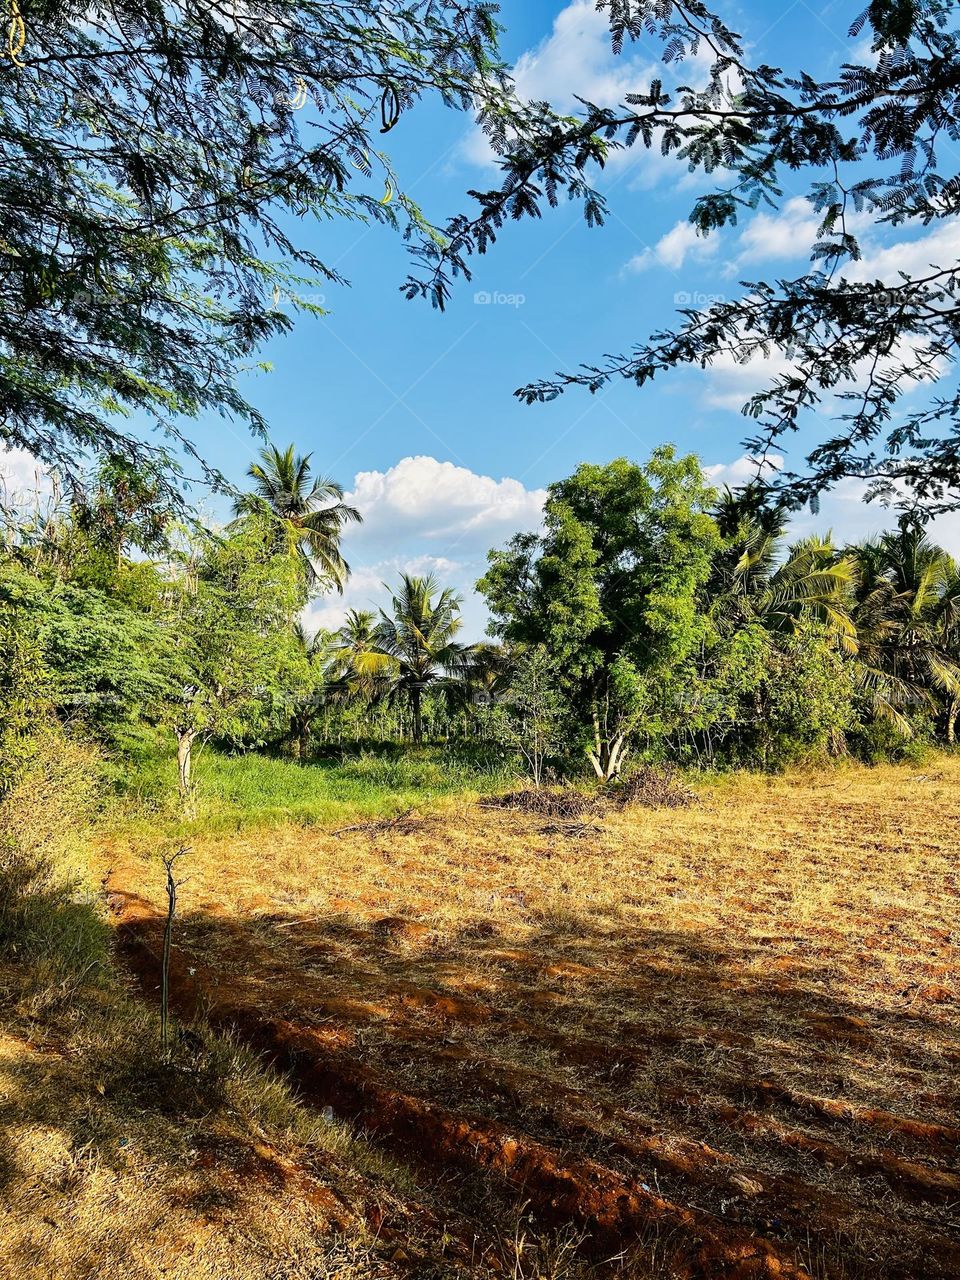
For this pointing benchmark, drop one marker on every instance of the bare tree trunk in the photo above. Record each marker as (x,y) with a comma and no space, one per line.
(608,757)
(185,739)
(952,712)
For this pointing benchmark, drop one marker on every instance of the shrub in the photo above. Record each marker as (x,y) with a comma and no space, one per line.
(48,912)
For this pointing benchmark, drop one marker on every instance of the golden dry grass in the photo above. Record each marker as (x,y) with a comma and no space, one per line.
(748,1008)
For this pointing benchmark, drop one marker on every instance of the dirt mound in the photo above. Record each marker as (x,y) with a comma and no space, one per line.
(653,788)
(548,802)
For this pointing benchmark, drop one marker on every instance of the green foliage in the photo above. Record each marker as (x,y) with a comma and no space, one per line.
(308,511)
(528,720)
(418,641)
(106,662)
(611,590)
(158,157)
(803,706)
(24,693)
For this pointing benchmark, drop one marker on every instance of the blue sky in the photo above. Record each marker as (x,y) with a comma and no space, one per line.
(413,411)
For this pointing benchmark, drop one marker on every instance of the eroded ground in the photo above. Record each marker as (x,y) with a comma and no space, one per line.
(722,1040)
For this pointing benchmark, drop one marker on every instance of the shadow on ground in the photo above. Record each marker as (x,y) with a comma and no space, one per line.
(674,1097)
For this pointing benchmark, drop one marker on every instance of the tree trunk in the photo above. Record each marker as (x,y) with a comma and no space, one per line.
(608,758)
(185,739)
(952,712)
(417,715)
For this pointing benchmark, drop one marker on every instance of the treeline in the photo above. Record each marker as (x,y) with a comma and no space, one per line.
(650,618)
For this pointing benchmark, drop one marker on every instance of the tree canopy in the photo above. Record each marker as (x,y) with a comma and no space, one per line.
(610,590)
(157,159)
(877,143)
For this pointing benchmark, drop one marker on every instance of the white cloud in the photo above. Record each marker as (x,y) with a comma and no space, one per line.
(424,497)
(741,471)
(576,60)
(445,516)
(937,248)
(673,249)
(787,233)
(22,477)
(729,383)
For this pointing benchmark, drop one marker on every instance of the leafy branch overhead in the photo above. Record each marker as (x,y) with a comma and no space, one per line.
(157,160)
(876,144)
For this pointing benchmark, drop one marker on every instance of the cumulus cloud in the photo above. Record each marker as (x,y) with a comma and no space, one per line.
(575,61)
(673,249)
(446,517)
(424,497)
(789,232)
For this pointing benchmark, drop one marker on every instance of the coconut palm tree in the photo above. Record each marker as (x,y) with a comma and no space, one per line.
(487,673)
(907,606)
(757,579)
(309,510)
(418,637)
(362,669)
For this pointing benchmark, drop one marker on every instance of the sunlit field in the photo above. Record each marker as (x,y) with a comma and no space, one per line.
(713,1040)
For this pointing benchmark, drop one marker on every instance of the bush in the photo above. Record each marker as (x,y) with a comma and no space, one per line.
(879,742)
(48,912)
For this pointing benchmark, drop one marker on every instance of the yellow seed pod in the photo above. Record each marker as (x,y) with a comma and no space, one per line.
(16,35)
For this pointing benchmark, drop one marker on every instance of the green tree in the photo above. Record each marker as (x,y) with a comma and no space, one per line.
(611,590)
(229,606)
(529,718)
(418,637)
(110,662)
(158,158)
(488,673)
(314,659)
(309,511)
(905,618)
(756,577)
(362,668)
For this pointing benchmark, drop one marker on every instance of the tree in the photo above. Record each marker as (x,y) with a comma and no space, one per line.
(611,591)
(229,606)
(157,157)
(529,718)
(111,662)
(309,511)
(362,669)
(418,637)
(878,143)
(905,617)
(755,579)
(488,673)
(315,659)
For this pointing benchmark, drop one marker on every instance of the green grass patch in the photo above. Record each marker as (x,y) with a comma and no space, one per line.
(238,791)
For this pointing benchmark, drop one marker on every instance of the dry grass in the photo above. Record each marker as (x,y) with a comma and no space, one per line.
(746,1010)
